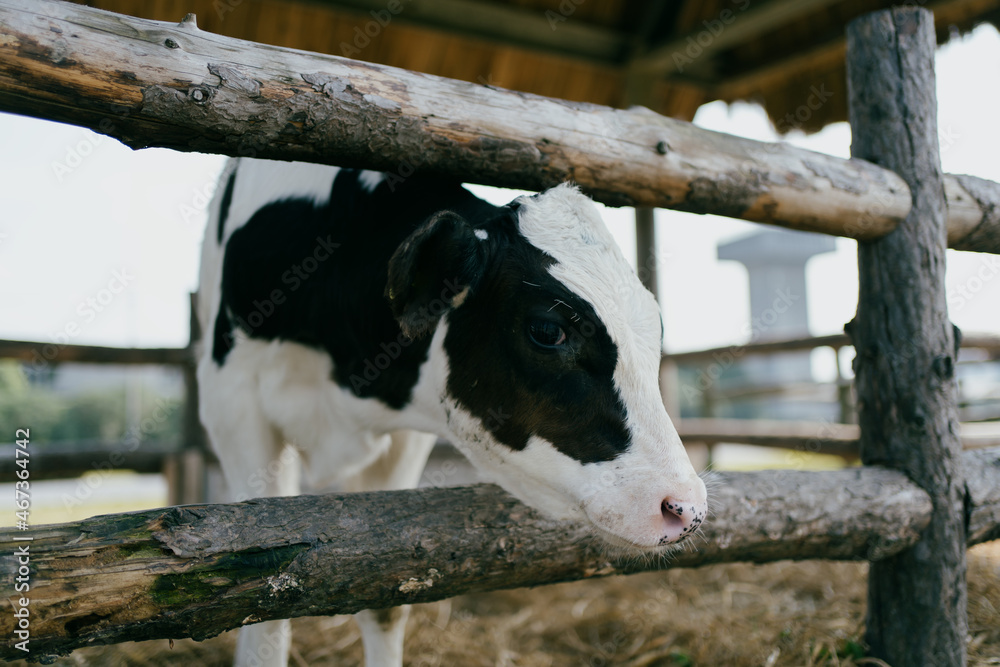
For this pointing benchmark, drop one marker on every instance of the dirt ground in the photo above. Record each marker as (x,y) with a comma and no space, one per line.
(782,614)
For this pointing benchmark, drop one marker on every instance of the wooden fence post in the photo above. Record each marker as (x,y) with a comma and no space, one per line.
(906,346)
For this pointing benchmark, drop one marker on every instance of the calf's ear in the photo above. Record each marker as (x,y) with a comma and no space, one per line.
(432,271)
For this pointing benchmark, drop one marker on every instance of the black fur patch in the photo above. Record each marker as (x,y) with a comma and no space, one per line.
(222,337)
(315,275)
(518,389)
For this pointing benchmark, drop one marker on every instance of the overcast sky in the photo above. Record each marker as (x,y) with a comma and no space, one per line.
(99,244)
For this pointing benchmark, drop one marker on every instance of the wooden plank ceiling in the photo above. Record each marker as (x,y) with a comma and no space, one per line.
(669,56)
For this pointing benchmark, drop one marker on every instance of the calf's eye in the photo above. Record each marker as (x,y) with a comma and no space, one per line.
(546,334)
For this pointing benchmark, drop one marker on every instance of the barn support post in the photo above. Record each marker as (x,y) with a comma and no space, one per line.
(906,345)
(645,248)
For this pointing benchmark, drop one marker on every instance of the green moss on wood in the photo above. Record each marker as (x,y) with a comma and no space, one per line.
(217,575)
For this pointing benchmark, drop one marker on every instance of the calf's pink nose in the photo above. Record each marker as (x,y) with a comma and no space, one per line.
(680,519)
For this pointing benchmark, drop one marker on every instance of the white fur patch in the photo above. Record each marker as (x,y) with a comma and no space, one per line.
(566,225)
(370,180)
(260,182)
(482,234)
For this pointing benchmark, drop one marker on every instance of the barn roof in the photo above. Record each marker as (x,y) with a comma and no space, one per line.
(669,56)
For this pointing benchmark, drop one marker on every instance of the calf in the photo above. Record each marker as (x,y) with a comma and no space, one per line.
(356,315)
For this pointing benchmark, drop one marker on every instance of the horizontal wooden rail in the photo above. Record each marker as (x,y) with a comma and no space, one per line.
(151,83)
(58,460)
(34,352)
(815,437)
(39,354)
(196,571)
(980,341)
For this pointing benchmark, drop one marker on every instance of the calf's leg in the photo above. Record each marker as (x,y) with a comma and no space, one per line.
(383,630)
(255,465)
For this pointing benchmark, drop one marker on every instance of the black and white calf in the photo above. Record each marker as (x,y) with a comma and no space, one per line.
(351,314)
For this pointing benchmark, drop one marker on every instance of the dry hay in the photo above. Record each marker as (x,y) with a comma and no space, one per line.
(738,615)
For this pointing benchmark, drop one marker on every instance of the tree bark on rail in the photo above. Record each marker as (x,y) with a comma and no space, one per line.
(906,346)
(198,570)
(150,83)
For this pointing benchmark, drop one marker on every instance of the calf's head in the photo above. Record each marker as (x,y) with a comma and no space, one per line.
(547,347)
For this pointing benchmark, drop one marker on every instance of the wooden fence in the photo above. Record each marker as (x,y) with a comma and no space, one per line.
(174,458)
(182,462)
(185,571)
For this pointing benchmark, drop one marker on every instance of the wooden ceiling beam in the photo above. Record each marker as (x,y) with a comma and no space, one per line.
(555,32)
(723,32)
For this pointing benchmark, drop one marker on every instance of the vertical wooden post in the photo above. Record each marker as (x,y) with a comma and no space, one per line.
(639,86)
(645,249)
(191,483)
(905,344)
(845,400)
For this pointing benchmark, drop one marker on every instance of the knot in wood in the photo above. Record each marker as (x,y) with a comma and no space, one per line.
(171,43)
(944,367)
(662,147)
(199,94)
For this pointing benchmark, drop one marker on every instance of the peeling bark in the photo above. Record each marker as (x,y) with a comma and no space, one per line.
(149,83)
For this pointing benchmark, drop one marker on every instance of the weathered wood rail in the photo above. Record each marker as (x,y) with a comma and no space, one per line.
(196,571)
(815,437)
(150,83)
(42,353)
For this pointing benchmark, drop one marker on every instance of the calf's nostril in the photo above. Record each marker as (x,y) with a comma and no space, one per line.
(673,513)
